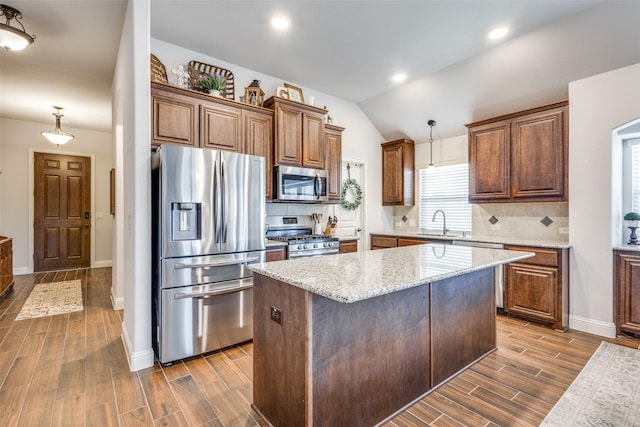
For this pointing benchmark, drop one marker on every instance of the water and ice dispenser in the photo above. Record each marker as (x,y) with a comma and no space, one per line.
(185,221)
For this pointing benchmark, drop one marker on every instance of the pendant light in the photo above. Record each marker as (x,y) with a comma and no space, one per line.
(431,124)
(56,136)
(13,38)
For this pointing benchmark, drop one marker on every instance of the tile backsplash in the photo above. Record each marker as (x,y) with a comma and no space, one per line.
(524,220)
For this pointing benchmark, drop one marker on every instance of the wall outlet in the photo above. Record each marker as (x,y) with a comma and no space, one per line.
(563,230)
(276,315)
(496,227)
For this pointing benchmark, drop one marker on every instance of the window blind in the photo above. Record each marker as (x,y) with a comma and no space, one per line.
(445,188)
(635,176)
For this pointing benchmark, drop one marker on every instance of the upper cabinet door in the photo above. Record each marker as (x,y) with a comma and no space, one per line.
(520,157)
(398,170)
(538,155)
(333,160)
(221,127)
(489,161)
(258,141)
(313,140)
(174,119)
(288,135)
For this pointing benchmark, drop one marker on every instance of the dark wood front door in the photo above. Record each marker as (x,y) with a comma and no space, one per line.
(62,216)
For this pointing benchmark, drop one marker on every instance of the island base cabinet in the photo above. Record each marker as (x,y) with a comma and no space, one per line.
(319,362)
(463,322)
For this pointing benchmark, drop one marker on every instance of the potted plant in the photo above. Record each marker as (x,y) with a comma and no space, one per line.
(213,84)
(632,218)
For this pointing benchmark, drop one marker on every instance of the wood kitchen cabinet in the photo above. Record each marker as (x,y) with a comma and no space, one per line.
(221,127)
(259,141)
(298,134)
(383,242)
(520,157)
(626,292)
(398,171)
(6,266)
(347,246)
(537,288)
(333,160)
(189,118)
(174,117)
(276,254)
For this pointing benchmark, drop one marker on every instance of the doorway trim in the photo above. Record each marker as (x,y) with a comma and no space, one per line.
(364,239)
(31,171)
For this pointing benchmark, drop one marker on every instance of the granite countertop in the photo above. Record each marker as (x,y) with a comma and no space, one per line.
(627,247)
(274,243)
(539,243)
(362,275)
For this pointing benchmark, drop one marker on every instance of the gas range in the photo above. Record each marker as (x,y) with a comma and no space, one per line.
(301,242)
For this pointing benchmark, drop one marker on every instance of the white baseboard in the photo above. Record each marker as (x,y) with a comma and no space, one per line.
(137,360)
(116,303)
(100,264)
(597,327)
(17,271)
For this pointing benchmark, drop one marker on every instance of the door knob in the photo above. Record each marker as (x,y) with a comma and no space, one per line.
(358,230)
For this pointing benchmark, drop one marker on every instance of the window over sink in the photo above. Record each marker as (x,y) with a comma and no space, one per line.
(445,188)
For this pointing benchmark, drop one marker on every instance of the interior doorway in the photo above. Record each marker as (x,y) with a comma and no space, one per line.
(351,221)
(62,211)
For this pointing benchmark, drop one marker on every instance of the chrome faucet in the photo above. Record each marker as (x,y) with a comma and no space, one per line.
(444,220)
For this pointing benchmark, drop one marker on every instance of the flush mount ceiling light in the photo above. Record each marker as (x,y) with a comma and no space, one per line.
(498,33)
(280,22)
(13,38)
(431,124)
(56,136)
(399,77)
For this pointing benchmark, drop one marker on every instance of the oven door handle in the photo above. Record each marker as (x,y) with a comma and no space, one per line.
(182,266)
(209,294)
(300,255)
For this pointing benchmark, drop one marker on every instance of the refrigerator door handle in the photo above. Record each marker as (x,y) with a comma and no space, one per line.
(223,291)
(181,266)
(224,201)
(216,216)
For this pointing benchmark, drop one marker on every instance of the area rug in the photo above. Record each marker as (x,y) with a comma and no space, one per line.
(606,393)
(49,299)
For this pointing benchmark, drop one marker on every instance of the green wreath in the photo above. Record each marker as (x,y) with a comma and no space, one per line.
(352,188)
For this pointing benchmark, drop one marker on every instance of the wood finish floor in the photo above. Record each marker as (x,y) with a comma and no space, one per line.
(71,370)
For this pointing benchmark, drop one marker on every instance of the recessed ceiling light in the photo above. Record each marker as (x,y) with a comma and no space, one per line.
(280,22)
(399,77)
(498,33)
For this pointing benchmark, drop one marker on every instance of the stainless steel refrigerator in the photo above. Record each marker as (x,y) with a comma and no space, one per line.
(208,224)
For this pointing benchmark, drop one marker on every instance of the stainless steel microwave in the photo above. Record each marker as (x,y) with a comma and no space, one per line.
(294,184)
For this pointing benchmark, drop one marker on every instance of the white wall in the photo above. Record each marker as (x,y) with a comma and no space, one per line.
(18,141)
(360,140)
(131,81)
(597,105)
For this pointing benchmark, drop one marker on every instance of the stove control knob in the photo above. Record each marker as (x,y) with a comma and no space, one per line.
(305,246)
(315,245)
(300,247)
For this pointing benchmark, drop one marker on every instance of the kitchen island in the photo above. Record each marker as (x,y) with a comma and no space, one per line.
(351,339)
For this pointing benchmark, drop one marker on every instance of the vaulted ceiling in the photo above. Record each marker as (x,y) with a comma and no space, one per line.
(345,48)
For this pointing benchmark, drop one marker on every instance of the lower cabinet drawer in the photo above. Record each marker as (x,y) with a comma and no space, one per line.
(379,242)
